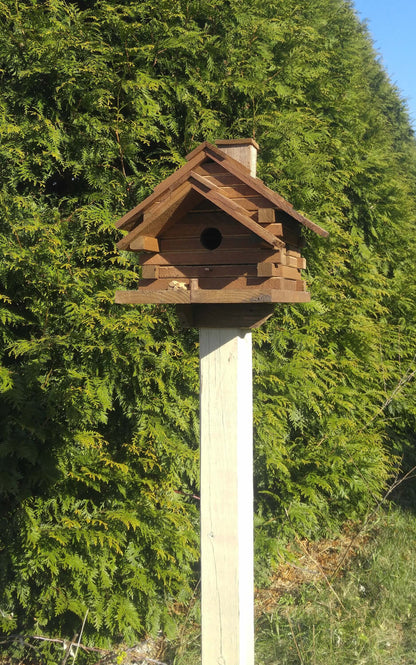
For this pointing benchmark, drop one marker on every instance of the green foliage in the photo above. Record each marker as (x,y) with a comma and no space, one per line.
(365,615)
(99,102)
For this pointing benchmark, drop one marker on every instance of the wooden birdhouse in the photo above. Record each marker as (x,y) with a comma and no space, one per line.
(214,240)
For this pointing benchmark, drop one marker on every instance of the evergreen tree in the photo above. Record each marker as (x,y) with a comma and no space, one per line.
(99,102)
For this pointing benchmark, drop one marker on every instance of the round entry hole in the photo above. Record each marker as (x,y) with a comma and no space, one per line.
(211,238)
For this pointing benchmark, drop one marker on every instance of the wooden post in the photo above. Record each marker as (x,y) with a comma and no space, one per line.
(233,253)
(227,589)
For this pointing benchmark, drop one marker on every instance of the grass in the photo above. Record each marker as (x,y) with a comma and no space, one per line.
(311,613)
(366,616)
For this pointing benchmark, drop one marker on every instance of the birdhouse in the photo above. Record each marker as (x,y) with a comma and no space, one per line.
(215,241)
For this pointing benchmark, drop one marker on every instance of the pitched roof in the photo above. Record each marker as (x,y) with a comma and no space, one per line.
(182,190)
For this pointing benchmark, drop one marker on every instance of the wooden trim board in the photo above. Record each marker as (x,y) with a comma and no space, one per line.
(212,296)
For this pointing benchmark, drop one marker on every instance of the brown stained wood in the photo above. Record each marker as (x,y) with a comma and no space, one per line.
(234,167)
(198,150)
(276,229)
(239,191)
(175,205)
(215,257)
(266,269)
(231,296)
(291,237)
(229,206)
(248,296)
(301,264)
(214,169)
(224,316)
(192,225)
(251,204)
(159,219)
(267,216)
(237,142)
(150,272)
(290,296)
(198,296)
(225,271)
(203,154)
(221,179)
(209,283)
(148,297)
(214,296)
(182,296)
(145,244)
(300,285)
(291,261)
(231,242)
(205,206)
(160,213)
(131,218)
(194,284)
(272,270)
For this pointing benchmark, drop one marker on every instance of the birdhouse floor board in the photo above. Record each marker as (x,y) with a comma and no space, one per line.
(215,257)
(247,295)
(147,297)
(182,296)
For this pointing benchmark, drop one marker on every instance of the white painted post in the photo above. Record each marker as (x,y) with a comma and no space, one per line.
(227,588)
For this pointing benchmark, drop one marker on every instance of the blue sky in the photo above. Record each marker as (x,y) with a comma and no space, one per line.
(392,24)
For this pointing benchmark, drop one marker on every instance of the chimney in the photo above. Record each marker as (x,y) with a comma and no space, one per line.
(242,150)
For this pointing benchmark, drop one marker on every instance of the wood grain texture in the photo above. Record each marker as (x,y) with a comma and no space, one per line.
(162,214)
(233,167)
(147,297)
(192,225)
(273,270)
(210,296)
(229,242)
(145,244)
(244,316)
(264,282)
(243,151)
(231,207)
(150,272)
(215,257)
(227,586)
(131,218)
(202,271)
